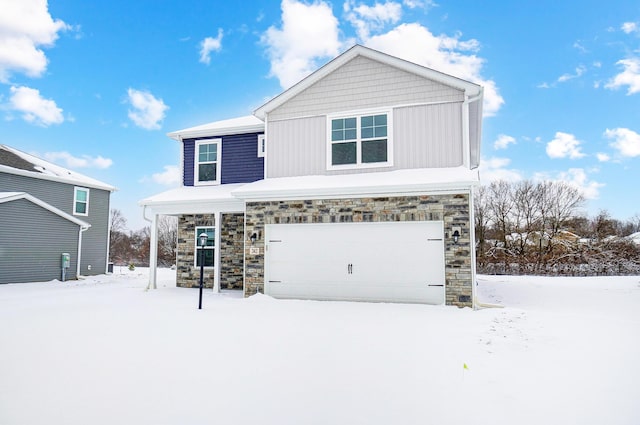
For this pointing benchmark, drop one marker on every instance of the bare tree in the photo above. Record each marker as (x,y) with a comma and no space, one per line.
(482,218)
(118,239)
(167,239)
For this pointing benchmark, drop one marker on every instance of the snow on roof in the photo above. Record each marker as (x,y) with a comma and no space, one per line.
(391,182)
(14,161)
(195,199)
(240,125)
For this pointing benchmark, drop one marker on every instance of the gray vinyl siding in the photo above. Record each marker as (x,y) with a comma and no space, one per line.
(32,240)
(475,130)
(60,195)
(364,83)
(426,136)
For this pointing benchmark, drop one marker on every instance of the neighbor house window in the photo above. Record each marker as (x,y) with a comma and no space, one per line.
(209,248)
(362,140)
(207,161)
(81,201)
(262,145)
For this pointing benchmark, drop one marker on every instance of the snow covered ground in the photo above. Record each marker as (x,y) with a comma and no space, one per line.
(104,351)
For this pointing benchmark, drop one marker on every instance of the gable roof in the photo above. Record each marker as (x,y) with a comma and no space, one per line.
(14,161)
(14,196)
(240,125)
(469,88)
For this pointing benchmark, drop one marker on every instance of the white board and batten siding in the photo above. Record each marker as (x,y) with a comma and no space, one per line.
(385,262)
(426,120)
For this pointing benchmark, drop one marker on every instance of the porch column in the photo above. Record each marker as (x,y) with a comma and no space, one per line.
(218,248)
(153,253)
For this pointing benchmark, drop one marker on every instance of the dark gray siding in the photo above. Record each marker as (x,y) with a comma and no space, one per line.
(60,195)
(32,240)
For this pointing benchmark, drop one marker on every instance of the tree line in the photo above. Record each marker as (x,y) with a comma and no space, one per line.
(132,247)
(528,227)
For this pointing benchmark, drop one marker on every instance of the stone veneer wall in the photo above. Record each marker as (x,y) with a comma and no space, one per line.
(453,209)
(232,251)
(188,275)
(231,254)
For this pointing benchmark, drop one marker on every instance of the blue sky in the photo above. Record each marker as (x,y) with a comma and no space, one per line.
(95,86)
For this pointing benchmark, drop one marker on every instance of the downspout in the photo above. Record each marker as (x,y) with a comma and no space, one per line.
(466,142)
(82,229)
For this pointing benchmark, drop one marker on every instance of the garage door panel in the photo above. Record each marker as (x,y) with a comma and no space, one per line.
(356,261)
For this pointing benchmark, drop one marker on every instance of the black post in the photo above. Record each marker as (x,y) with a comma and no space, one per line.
(201,275)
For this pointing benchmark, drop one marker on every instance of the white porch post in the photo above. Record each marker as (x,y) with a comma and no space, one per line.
(216,279)
(153,253)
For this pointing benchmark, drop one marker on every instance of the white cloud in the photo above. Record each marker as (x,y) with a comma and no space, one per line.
(34,108)
(492,169)
(169,177)
(566,77)
(85,161)
(630,76)
(564,145)
(209,45)
(503,141)
(450,55)
(625,141)
(370,18)
(577,178)
(309,33)
(25,27)
(147,112)
(629,27)
(578,45)
(603,157)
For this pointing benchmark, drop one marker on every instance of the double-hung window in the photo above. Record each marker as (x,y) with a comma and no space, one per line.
(359,141)
(207,161)
(209,248)
(80,201)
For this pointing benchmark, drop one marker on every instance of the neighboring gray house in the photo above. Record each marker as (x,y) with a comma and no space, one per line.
(369,169)
(47,210)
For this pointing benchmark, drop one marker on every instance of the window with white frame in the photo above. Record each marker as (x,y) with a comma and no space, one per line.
(80,201)
(262,145)
(359,140)
(209,248)
(207,161)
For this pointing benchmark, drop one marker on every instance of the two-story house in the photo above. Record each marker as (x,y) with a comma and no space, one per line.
(369,166)
(45,211)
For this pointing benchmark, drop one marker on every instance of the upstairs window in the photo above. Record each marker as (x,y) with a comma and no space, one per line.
(359,141)
(209,248)
(80,201)
(262,146)
(207,161)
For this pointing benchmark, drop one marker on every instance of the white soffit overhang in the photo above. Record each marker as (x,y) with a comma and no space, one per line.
(195,200)
(240,125)
(427,180)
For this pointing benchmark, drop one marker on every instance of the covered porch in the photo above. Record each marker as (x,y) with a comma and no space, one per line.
(209,209)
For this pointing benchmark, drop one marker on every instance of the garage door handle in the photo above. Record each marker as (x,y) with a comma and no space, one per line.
(435,285)
(349,268)
(275,281)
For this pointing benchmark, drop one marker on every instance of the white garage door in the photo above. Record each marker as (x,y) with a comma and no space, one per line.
(399,261)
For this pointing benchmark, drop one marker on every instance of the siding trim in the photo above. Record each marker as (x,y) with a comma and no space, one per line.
(14,196)
(401,105)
